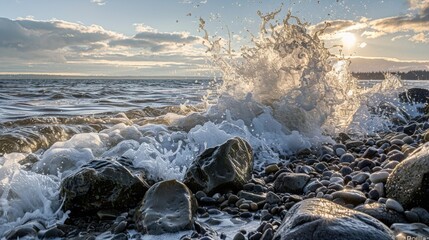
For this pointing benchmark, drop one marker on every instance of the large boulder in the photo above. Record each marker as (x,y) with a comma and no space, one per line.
(102,184)
(167,207)
(221,168)
(409,181)
(324,220)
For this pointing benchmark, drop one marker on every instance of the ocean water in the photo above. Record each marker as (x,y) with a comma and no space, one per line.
(285,93)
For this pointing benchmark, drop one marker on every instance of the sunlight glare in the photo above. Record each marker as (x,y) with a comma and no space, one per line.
(349,40)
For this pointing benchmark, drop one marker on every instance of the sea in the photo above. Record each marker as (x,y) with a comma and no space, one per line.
(286,93)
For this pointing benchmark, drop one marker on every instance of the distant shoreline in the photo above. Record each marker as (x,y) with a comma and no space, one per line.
(410,75)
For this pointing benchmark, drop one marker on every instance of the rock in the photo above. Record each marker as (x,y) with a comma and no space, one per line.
(374,194)
(251,196)
(324,220)
(291,182)
(370,153)
(422,213)
(168,206)
(383,214)
(378,177)
(271,169)
(222,168)
(354,144)
(360,177)
(102,184)
(347,157)
(273,198)
(415,95)
(414,231)
(394,205)
(411,216)
(409,181)
(365,163)
(350,196)
(21,232)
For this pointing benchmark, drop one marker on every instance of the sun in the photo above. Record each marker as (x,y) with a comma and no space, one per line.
(349,40)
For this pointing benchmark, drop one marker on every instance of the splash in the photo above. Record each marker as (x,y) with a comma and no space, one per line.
(290,73)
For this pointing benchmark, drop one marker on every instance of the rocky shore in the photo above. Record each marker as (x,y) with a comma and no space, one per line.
(372,188)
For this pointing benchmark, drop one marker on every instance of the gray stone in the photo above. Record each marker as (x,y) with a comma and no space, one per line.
(251,196)
(409,181)
(414,231)
(222,168)
(291,182)
(347,157)
(102,184)
(350,196)
(321,219)
(378,177)
(272,198)
(354,144)
(394,205)
(168,206)
(380,212)
(360,177)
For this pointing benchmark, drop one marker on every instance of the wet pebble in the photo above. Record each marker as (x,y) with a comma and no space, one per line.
(347,158)
(394,205)
(378,177)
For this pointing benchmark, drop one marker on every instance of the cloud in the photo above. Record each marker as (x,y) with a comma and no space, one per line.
(150,38)
(420,38)
(99,2)
(416,21)
(29,44)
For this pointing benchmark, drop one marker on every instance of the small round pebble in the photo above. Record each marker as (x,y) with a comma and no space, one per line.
(394,205)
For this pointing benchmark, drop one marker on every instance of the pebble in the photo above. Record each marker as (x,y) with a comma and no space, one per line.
(374,195)
(346,170)
(398,142)
(120,227)
(271,169)
(232,199)
(347,158)
(411,216)
(53,232)
(360,177)
(365,163)
(255,236)
(370,153)
(268,234)
(391,165)
(378,177)
(239,236)
(354,144)
(340,152)
(200,194)
(380,188)
(251,196)
(350,196)
(272,198)
(394,205)
(246,215)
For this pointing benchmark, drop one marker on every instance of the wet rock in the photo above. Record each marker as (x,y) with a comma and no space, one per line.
(415,95)
(102,184)
(370,153)
(378,177)
(222,168)
(354,144)
(168,206)
(21,232)
(383,214)
(251,196)
(272,198)
(324,220)
(291,182)
(409,181)
(347,157)
(394,205)
(350,196)
(412,231)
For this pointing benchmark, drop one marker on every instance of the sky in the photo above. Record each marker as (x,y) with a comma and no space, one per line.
(162,37)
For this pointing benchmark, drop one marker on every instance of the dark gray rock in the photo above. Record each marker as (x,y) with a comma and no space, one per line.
(409,181)
(222,168)
(321,219)
(350,196)
(415,95)
(168,206)
(413,231)
(380,212)
(102,184)
(291,182)
(347,157)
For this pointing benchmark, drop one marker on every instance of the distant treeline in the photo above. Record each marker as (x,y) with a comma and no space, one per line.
(411,75)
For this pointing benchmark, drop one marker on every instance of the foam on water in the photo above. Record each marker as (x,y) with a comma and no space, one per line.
(284,93)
